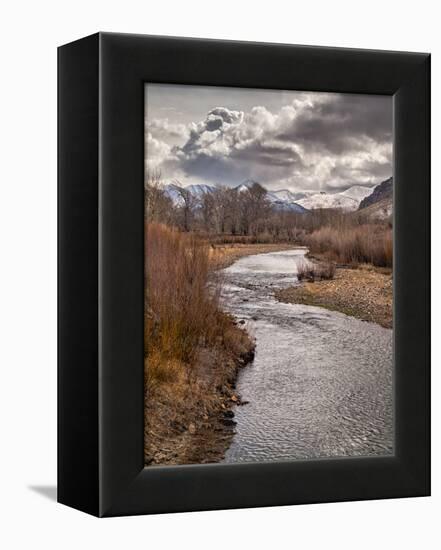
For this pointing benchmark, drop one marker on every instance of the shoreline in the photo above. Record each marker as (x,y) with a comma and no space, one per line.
(198,427)
(363,292)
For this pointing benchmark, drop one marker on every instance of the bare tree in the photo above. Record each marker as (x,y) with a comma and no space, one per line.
(158,206)
(253,207)
(188,202)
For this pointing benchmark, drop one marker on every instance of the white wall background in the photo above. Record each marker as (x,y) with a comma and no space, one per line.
(30,33)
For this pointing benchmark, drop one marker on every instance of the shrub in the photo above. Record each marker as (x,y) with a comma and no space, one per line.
(182,314)
(315,272)
(352,245)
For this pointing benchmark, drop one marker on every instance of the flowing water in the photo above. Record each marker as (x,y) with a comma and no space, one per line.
(321,382)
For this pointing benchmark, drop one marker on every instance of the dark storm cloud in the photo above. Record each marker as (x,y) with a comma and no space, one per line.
(341,174)
(318,141)
(206,168)
(267,153)
(342,124)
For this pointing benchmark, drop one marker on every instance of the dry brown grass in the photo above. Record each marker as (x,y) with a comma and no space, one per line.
(225,238)
(315,272)
(182,313)
(353,245)
(192,351)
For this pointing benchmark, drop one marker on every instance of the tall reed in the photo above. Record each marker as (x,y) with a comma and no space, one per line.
(367,243)
(182,314)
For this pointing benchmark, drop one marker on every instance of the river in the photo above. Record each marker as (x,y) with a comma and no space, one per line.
(321,382)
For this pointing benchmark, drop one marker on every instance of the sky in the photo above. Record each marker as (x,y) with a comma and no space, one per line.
(301,141)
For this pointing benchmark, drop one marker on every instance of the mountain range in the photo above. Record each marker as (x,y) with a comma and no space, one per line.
(354,198)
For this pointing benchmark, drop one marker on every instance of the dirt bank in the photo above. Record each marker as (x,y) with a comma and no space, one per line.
(191,421)
(364,292)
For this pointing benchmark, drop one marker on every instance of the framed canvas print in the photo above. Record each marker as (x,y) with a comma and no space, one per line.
(244,271)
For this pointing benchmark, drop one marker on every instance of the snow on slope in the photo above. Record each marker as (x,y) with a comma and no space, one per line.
(358,192)
(283,201)
(199,190)
(288,196)
(286,200)
(327,200)
(172,191)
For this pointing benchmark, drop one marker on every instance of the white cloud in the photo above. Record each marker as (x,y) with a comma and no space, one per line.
(317,141)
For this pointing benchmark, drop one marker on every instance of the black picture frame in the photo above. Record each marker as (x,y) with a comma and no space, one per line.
(101,284)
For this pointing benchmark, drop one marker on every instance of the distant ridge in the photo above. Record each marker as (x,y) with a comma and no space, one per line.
(354,198)
(379,204)
(381,192)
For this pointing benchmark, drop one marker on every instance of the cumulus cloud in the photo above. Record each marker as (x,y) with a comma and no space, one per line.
(163,129)
(156,152)
(316,141)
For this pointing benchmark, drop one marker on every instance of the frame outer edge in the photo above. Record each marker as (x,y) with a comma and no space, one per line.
(78,482)
(414,173)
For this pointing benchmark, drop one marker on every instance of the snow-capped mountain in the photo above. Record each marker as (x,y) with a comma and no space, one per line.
(327,200)
(284,199)
(358,192)
(173,192)
(199,190)
(283,206)
(287,196)
(245,186)
(242,188)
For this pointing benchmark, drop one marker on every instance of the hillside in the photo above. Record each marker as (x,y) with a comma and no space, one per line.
(381,192)
(378,211)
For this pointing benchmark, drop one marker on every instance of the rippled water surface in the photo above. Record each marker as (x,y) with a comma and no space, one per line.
(321,382)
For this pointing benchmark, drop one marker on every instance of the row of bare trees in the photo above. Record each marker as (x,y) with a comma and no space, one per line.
(219,211)
(231,213)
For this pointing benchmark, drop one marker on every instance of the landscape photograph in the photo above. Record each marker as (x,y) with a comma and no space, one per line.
(268,305)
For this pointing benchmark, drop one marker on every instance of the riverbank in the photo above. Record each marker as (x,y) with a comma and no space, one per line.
(190,420)
(364,292)
(189,416)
